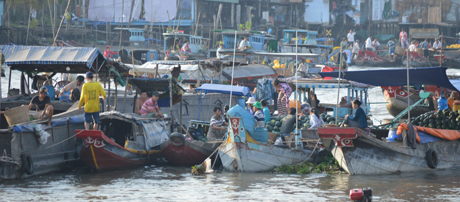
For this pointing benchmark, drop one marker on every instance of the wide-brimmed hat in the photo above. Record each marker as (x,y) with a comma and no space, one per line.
(258,105)
(251,100)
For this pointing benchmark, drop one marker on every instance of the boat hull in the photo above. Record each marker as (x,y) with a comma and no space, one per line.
(369,156)
(189,154)
(370,58)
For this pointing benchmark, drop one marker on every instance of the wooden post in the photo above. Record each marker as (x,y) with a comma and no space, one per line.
(130,13)
(171,102)
(28,25)
(442,43)
(108,98)
(232,20)
(51,17)
(121,24)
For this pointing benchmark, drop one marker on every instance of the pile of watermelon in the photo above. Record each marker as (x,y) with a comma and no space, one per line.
(274,124)
(445,119)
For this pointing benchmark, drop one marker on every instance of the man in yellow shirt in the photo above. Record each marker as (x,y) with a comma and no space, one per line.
(90,96)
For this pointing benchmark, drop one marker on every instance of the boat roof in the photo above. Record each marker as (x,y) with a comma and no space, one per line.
(184,35)
(53,59)
(230,52)
(225,89)
(149,84)
(309,46)
(249,71)
(301,31)
(435,76)
(316,83)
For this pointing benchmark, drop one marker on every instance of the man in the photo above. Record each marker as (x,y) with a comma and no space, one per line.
(186,47)
(75,88)
(351,38)
(90,96)
(369,44)
(344,43)
(437,45)
(140,101)
(287,124)
(375,44)
(355,49)
(303,67)
(175,73)
(216,126)
(412,47)
(44,108)
(266,111)
(424,45)
(244,45)
(108,53)
(150,107)
(403,38)
(219,56)
(391,50)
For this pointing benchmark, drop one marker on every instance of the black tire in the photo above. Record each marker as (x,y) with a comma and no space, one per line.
(431,158)
(27,164)
(177,139)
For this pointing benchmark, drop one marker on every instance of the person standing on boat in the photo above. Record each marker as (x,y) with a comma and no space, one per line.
(437,45)
(90,96)
(375,44)
(186,47)
(403,38)
(267,116)
(44,108)
(250,103)
(244,45)
(412,47)
(140,101)
(391,49)
(150,107)
(75,88)
(284,92)
(359,119)
(425,45)
(351,38)
(287,124)
(259,115)
(219,56)
(216,126)
(369,46)
(108,53)
(315,121)
(355,50)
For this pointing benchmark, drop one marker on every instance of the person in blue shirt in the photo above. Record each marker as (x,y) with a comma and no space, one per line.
(266,111)
(391,49)
(359,118)
(425,45)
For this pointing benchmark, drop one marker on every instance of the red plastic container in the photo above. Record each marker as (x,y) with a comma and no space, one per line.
(356,194)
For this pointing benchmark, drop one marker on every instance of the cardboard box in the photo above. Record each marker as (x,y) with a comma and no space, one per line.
(271,138)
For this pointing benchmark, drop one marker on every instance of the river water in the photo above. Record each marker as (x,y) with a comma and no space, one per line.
(163,183)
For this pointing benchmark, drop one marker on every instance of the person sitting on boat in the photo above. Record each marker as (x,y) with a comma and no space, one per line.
(43,103)
(250,103)
(186,47)
(244,45)
(284,92)
(150,107)
(315,121)
(259,115)
(369,46)
(453,97)
(359,119)
(140,101)
(216,126)
(266,111)
(287,124)
(425,45)
(375,44)
(220,56)
(108,53)
(412,47)
(437,44)
(355,49)
(303,67)
(391,49)
(75,88)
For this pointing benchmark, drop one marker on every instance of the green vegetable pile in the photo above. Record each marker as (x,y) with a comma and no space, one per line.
(445,119)
(328,165)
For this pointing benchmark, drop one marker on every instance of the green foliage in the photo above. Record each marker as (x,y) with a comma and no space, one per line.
(328,165)
(198,169)
(241,26)
(34,23)
(248,25)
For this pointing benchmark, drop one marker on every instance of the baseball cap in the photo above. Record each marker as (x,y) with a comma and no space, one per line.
(89,75)
(44,90)
(156,93)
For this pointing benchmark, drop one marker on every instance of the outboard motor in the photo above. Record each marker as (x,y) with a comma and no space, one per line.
(361,195)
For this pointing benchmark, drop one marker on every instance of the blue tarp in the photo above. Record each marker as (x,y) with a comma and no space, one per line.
(435,76)
(29,127)
(225,89)
(426,138)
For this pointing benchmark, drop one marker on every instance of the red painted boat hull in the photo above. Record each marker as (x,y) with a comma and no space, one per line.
(189,154)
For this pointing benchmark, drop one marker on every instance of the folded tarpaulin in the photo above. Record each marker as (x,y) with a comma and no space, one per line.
(440,133)
(426,138)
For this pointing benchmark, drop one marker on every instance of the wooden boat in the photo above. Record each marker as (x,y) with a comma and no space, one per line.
(131,141)
(360,153)
(370,58)
(417,60)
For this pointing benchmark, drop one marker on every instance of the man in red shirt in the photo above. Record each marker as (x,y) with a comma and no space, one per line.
(108,53)
(150,107)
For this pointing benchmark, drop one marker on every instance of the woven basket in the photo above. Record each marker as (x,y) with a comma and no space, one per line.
(17,115)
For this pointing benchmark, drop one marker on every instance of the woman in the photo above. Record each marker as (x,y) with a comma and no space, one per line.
(216,129)
(359,118)
(258,115)
(284,92)
(315,121)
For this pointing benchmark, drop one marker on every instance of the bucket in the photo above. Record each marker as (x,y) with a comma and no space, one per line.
(456,106)
(392,135)
(17,115)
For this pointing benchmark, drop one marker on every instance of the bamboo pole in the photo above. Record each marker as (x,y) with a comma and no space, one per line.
(28,25)
(62,20)
(121,29)
(51,18)
(151,24)
(131,13)
(198,22)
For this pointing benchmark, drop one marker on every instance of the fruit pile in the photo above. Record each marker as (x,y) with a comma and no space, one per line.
(454,46)
(304,122)
(445,119)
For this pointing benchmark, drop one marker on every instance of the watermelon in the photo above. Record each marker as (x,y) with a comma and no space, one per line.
(276,128)
(278,124)
(270,123)
(269,128)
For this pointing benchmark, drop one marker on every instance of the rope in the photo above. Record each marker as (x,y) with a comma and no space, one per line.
(56,143)
(313,151)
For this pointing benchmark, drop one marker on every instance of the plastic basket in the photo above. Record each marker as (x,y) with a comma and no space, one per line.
(17,115)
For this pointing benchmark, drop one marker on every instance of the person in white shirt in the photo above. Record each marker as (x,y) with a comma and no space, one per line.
(351,38)
(375,44)
(244,45)
(74,87)
(303,67)
(369,44)
(437,44)
(412,47)
(219,56)
(355,49)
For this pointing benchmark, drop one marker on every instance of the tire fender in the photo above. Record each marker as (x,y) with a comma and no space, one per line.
(431,158)
(27,164)
(177,139)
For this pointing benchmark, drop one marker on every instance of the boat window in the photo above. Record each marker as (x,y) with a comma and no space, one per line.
(118,130)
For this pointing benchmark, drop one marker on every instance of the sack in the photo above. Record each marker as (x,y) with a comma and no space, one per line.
(41,134)
(264,90)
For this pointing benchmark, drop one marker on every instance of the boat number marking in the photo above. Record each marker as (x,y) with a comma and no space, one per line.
(235,125)
(95,142)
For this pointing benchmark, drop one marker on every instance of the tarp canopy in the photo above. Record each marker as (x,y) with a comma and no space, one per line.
(192,71)
(149,85)
(53,59)
(249,72)
(225,89)
(435,76)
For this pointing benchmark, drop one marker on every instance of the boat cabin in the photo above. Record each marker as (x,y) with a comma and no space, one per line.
(305,36)
(132,36)
(256,39)
(197,43)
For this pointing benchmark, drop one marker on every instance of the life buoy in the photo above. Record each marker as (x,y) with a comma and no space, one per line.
(27,164)
(177,139)
(431,158)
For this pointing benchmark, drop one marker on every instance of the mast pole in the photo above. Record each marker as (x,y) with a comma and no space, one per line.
(233,70)
(408,86)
